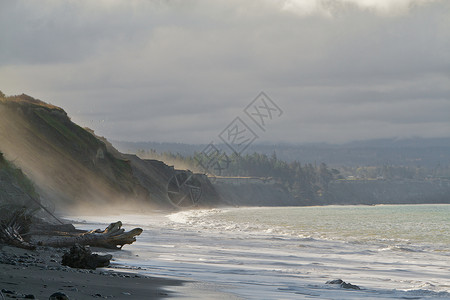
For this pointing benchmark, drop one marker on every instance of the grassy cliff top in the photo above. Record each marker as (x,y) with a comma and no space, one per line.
(25,100)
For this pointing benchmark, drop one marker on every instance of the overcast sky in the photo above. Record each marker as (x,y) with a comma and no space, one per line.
(182,70)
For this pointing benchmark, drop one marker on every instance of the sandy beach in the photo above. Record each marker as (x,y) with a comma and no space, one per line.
(38,274)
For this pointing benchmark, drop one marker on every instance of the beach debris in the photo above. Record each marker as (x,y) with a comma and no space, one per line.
(15,295)
(13,224)
(58,296)
(81,257)
(343,284)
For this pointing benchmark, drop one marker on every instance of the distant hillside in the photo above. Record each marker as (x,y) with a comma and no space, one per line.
(430,153)
(413,152)
(370,172)
(70,166)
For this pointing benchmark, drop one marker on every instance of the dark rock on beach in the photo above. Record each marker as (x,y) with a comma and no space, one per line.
(335,281)
(343,284)
(346,285)
(82,258)
(4,291)
(58,296)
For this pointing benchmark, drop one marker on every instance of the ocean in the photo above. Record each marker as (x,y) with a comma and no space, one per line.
(389,251)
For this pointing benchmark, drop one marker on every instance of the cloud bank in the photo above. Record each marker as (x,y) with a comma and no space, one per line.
(183,70)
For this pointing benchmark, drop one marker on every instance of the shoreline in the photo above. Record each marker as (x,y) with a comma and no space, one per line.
(39,274)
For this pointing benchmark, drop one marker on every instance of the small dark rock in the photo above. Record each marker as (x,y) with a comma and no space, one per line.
(343,284)
(7,291)
(335,281)
(58,296)
(346,285)
(30,296)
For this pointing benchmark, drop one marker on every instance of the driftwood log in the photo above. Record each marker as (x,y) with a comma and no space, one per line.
(18,228)
(113,237)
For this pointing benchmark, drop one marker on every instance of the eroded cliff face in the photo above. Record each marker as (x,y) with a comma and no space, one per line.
(73,168)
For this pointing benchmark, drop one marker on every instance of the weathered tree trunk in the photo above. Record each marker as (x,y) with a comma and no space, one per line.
(113,237)
(18,228)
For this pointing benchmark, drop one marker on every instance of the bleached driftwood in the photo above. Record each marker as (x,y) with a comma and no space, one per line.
(113,237)
(19,228)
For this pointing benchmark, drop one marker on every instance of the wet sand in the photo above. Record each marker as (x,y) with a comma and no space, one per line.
(39,274)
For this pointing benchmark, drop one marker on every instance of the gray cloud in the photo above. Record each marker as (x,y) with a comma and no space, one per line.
(182,70)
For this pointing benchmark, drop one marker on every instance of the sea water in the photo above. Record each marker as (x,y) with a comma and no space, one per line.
(389,251)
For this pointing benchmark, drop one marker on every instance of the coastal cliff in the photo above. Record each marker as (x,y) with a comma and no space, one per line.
(73,168)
